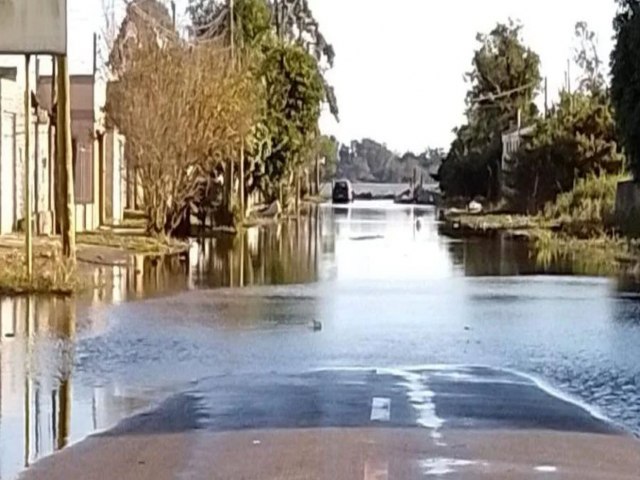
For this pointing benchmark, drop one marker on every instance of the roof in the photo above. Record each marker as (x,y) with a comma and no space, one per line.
(522,131)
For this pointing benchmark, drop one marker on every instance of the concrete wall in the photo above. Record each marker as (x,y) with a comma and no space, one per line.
(115,184)
(86,220)
(87,99)
(7,165)
(84,107)
(13,155)
(628,207)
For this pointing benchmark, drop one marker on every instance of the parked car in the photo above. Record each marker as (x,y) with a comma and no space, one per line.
(342,192)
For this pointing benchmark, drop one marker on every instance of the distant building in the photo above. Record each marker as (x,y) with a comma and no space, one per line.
(512,140)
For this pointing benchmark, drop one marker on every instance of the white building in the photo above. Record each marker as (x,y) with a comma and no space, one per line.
(98,152)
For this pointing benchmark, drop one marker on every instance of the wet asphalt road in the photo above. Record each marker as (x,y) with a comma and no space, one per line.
(433,399)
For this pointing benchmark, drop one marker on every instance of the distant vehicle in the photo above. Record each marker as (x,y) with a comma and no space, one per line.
(342,192)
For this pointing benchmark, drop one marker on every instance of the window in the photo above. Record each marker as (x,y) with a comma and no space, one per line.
(83,172)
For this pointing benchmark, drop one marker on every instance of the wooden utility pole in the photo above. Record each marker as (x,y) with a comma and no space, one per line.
(36,156)
(242,185)
(276,8)
(65,160)
(232,29)
(232,44)
(546,97)
(298,192)
(28,227)
(54,205)
(317,175)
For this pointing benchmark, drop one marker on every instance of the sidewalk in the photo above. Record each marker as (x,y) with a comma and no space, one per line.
(53,274)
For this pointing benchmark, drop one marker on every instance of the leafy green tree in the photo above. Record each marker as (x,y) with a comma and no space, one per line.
(503,83)
(296,23)
(252,21)
(294,97)
(577,139)
(326,149)
(289,72)
(625,75)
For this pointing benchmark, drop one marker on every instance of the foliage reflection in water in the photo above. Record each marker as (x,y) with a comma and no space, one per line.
(54,353)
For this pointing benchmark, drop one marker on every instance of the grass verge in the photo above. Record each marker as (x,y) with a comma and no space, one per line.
(52,274)
(140,244)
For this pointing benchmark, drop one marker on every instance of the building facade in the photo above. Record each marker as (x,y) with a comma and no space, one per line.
(98,152)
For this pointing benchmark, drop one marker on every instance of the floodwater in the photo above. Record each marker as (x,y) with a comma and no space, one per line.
(387,287)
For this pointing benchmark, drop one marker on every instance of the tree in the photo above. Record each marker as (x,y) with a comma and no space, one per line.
(252,21)
(294,97)
(282,139)
(588,59)
(625,72)
(145,21)
(183,109)
(577,139)
(326,150)
(296,23)
(503,83)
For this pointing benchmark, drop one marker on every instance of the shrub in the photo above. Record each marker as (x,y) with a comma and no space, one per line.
(588,210)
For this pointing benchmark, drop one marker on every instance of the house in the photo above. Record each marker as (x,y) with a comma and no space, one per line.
(98,151)
(85,155)
(13,155)
(512,140)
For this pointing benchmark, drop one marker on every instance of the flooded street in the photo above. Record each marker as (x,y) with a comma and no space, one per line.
(368,286)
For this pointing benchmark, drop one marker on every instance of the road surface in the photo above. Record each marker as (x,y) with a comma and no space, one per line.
(371,424)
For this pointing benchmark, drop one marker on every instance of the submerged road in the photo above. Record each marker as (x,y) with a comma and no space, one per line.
(436,358)
(371,424)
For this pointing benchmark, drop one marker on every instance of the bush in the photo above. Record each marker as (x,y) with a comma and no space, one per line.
(588,210)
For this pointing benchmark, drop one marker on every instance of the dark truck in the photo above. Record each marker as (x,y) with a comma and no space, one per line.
(342,192)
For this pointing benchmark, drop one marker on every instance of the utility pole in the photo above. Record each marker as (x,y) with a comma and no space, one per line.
(317,179)
(27,171)
(36,156)
(65,160)
(546,97)
(231,30)
(232,43)
(173,13)
(233,59)
(276,8)
(54,206)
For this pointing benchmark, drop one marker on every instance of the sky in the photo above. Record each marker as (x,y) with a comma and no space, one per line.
(400,64)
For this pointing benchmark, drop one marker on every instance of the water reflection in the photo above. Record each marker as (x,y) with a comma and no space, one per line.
(387,286)
(36,358)
(144,277)
(288,253)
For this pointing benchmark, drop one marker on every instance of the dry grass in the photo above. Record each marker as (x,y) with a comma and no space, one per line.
(52,274)
(493,224)
(603,255)
(140,244)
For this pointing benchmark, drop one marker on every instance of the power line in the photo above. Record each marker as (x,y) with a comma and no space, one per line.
(491,97)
